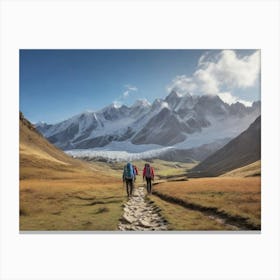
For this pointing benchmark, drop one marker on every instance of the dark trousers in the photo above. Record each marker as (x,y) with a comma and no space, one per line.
(129,186)
(149,185)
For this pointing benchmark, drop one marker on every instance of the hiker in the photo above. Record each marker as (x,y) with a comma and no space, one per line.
(135,172)
(148,173)
(128,178)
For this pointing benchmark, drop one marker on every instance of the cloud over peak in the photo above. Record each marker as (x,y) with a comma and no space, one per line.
(220,74)
(232,71)
(227,97)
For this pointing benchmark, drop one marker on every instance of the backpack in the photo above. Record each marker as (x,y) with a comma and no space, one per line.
(135,169)
(148,171)
(128,171)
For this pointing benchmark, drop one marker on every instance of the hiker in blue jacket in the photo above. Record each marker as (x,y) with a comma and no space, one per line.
(129,176)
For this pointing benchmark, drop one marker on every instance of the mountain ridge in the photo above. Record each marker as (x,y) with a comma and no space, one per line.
(165,122)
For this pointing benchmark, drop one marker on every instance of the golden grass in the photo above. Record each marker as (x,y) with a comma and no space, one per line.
(253,169)
(35,145)
(26,151)
(58,192)
(181,219)
(235,196)
(71,195)
(77,203)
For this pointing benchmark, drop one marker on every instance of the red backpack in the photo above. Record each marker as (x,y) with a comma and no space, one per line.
(135,169)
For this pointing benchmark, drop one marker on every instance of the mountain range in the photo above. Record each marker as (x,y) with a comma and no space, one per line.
(179,121)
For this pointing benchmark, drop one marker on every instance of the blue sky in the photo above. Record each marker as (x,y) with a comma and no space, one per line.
(57,84)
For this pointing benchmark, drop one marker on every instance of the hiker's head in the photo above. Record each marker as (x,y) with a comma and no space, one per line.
(128,164)
(147,164)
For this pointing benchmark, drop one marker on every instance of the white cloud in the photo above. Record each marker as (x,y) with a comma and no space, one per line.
(182,84)
(126,93)
(227,97)
(217,73)
(129,89)
(232,71)
(246,103)
(205,82)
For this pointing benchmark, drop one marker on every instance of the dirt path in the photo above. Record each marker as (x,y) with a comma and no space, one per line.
(140,214)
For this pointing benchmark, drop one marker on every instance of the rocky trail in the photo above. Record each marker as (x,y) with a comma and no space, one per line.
(140,214)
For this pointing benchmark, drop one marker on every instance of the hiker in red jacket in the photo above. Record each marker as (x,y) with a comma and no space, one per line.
(148,173)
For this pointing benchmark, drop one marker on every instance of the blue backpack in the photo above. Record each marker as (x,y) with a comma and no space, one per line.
(128,171)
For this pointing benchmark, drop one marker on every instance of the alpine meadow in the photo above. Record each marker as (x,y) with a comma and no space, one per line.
(140,140)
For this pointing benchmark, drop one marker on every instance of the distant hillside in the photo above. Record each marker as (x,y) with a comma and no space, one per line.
(39,158)
(194,154)
(250,170)
(241,151)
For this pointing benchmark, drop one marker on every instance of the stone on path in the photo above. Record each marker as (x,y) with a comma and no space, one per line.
(141,215)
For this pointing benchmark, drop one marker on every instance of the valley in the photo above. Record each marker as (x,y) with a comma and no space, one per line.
(82,201)
(204,186)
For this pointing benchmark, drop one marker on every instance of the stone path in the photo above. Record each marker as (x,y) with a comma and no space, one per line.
(141,215)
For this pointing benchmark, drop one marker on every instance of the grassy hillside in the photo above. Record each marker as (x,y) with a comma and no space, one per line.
(235,199)
(40,159)
(58,192)
(253,169)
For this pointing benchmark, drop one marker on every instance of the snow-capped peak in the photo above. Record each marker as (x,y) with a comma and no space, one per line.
(164,105)
(141,103)
(165,122)
(112,106)
(115,105)
(173,95)
(159,104)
